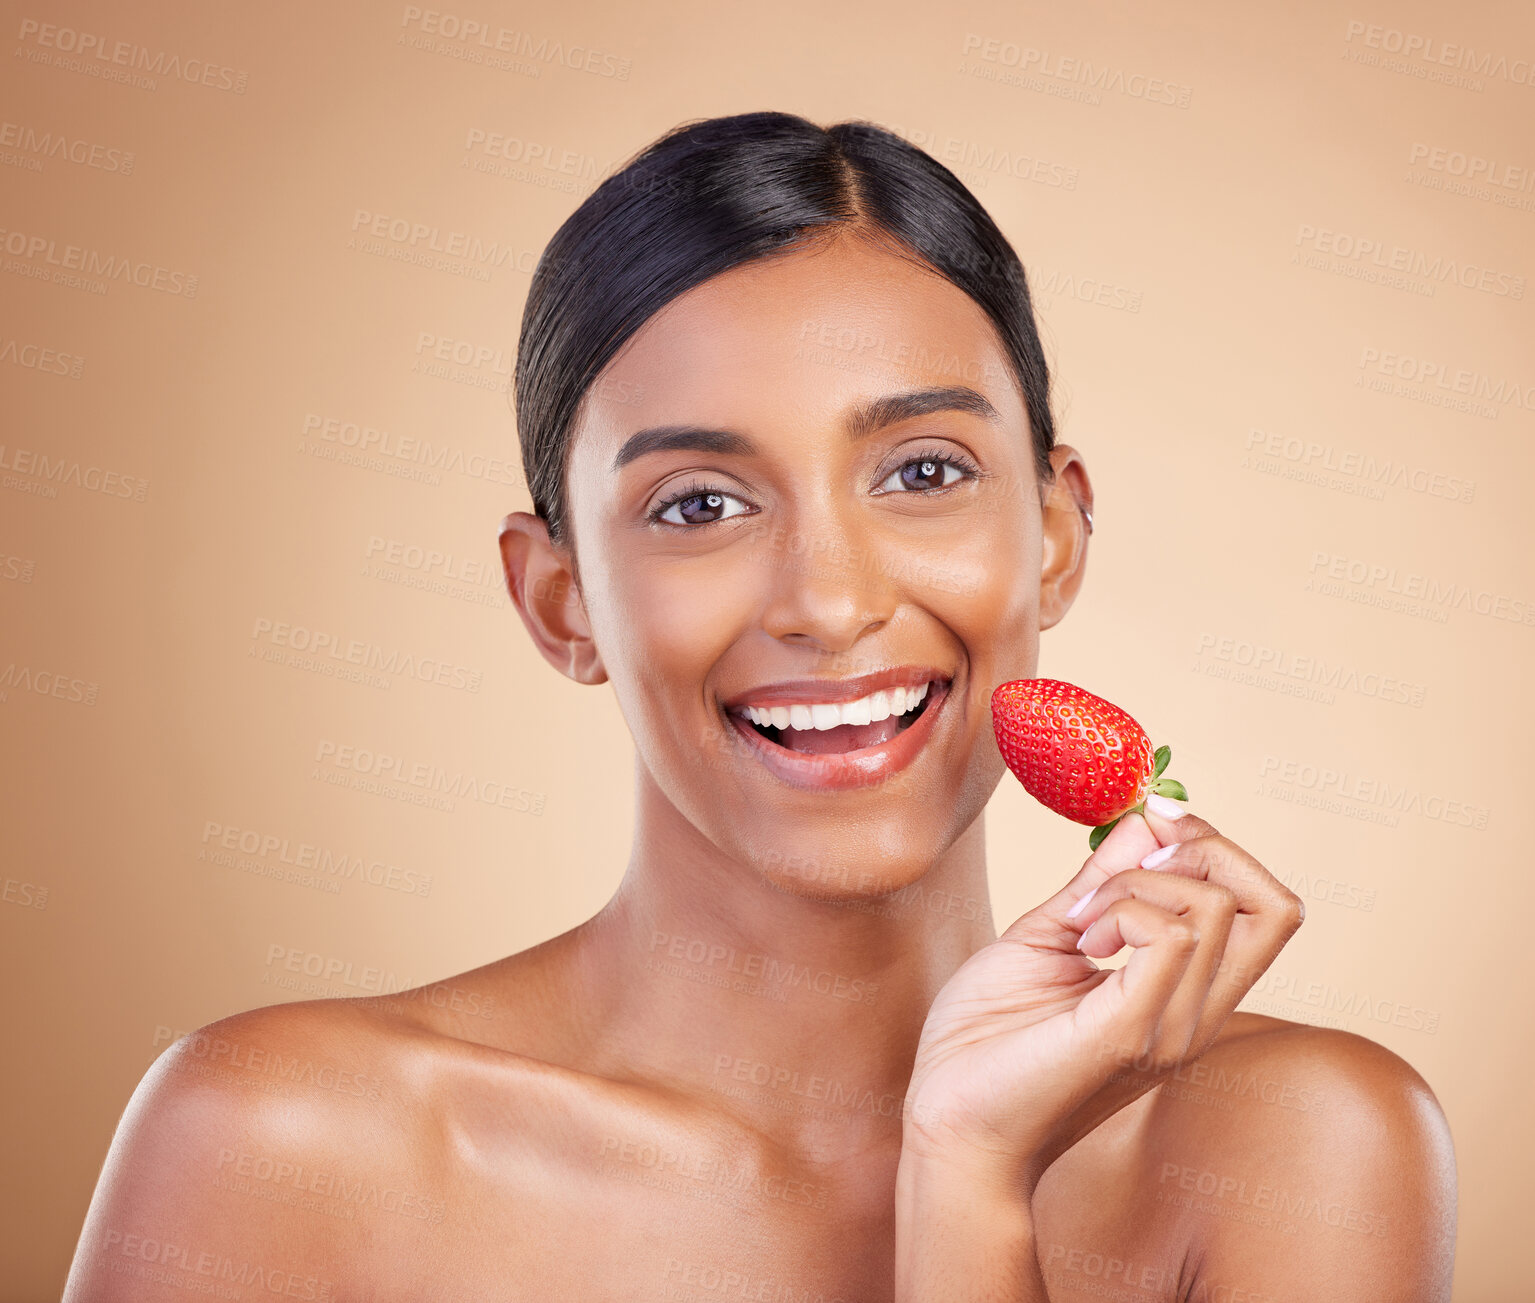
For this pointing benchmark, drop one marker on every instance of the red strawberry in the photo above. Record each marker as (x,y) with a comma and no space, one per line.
(1080,755)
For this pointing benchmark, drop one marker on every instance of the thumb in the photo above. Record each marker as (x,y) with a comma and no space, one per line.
(1128,843)
(1170,821)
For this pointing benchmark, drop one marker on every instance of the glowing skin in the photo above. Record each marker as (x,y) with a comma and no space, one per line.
(678,621)
(568,1110)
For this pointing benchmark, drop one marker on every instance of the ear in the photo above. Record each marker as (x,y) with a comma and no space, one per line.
(541,577)
(1063,561)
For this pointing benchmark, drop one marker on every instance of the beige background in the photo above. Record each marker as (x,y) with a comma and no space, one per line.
(1186,305)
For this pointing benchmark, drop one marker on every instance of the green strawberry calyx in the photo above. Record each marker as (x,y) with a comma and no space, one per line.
(1169,787)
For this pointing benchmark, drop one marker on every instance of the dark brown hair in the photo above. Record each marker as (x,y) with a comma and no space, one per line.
(713,194)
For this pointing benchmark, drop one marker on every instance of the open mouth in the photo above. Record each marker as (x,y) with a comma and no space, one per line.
(840,738)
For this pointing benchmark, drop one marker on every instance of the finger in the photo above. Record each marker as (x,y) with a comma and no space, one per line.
(1199,850)
(1127,846)
(1170,821)
(1271,908)
(1208,905)
(1128,842)
(1135,836)
(1267,915)
(1212,905)
(1268,910)
(1126,1011)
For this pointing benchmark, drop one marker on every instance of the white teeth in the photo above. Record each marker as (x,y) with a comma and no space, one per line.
(824,715)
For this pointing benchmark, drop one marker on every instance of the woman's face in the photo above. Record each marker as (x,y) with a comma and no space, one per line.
(817,530)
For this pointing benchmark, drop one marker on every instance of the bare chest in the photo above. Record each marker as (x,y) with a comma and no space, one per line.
(639,1223)
(619,1213)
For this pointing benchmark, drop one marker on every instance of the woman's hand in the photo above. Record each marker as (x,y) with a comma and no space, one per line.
(1030,1045)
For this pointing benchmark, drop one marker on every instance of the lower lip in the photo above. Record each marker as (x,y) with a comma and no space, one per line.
(840,770)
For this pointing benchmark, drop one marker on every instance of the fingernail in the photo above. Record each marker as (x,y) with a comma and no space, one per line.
(1083,937)
(1081,904)
(1160,856)
(1165,806)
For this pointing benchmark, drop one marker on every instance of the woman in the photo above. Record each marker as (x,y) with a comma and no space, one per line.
(784,417)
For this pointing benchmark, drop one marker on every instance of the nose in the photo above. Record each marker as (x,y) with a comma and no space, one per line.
(827,587)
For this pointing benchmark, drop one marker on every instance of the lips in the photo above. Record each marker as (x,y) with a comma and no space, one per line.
(846,755)
(850,726)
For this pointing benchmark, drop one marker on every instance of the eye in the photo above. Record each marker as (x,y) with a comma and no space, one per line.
(929,471)
(697,504)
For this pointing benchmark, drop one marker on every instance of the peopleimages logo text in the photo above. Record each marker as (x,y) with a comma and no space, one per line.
(1360,249)
(1428,49)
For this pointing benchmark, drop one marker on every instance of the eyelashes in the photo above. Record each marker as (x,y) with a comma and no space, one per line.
(702,491)
(943,457)
(696,489)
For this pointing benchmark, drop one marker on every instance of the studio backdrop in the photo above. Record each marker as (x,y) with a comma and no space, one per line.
(272,729)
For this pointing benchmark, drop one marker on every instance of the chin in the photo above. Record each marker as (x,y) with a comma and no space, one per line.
(864,877)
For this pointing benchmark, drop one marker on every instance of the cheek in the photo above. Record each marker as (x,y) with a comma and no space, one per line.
(664,627)
(991,602)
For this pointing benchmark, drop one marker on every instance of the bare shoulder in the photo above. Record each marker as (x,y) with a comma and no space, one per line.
(1345,1076)
(1295,1154)
(257,1151)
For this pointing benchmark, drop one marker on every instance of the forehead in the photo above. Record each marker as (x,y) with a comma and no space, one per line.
(798,338)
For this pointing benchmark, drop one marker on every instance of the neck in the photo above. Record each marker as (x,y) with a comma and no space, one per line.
(801,1014)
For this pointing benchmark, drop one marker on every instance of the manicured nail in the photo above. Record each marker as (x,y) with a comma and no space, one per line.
(1160,856)
(1081,904)
(1165,806)
(1083,937)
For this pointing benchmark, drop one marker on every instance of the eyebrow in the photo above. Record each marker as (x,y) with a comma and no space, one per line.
(861,422)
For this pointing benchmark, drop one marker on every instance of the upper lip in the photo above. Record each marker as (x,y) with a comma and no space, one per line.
(804,692)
